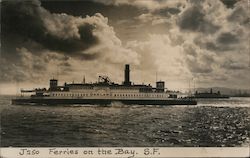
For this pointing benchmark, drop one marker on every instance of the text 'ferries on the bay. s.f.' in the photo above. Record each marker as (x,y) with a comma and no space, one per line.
(104,92)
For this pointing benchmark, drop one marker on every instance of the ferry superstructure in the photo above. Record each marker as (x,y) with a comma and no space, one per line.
(210,95)
(103,92)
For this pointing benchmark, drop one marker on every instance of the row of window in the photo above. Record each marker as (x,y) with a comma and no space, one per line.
(80,87)
(120,88)
(115,95)
(138,95)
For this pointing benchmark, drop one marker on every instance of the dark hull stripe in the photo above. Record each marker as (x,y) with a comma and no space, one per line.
(103,101)
(212,97)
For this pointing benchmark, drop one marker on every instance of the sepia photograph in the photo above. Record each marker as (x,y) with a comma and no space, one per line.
(125,73)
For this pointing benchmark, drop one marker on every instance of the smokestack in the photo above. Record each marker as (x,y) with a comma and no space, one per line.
(126,75)
(53,84)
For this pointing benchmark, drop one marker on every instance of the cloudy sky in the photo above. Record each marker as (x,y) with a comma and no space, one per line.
(205,41)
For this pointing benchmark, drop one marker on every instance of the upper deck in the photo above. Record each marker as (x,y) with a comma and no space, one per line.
(105,88)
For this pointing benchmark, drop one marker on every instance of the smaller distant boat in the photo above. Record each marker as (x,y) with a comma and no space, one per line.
(210,95)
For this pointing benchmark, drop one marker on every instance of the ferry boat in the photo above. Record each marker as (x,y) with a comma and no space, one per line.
(210,95)
(104,92)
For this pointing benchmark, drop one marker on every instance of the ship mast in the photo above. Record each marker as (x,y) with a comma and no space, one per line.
(57,73)
(83,80)
(189,92)
(194,85)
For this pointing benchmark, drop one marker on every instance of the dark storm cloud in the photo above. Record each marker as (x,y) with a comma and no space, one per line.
(234,65)
(33,40)
(194,68)
(167,11)
(227,38)
(198,62)
(22,22)
(229,3)
(226,41)
(193,19)
(71,46)
(240,15)
(215,46)
(36,41)
(90,7)
(18,24)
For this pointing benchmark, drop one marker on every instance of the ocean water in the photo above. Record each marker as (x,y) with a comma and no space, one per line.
(216,123)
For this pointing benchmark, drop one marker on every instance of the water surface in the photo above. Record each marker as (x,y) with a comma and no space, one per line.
(210,123)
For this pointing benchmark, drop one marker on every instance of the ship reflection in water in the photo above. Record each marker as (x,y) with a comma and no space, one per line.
(217,122)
